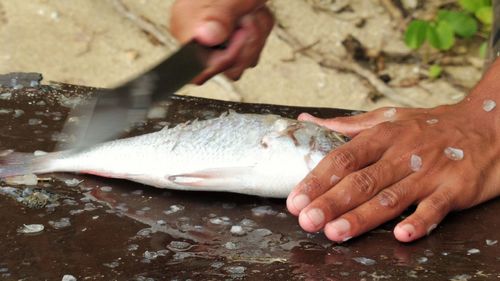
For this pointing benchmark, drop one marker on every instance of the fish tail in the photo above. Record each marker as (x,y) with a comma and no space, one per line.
(17,164)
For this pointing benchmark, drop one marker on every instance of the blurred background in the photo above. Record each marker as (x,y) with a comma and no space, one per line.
(329,53)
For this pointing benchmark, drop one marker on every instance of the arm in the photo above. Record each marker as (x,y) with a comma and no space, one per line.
(244,24)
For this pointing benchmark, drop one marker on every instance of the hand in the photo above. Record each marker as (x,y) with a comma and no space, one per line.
(399,157)
(244,24)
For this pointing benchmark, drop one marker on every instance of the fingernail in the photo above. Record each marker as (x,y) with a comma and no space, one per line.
(409,229)
(316,216)
(431,228)
(300,201)
(305,117)
(341,227)
(211,32)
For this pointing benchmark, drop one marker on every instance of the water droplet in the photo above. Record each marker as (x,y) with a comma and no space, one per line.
(489,105)
(415,163)
(454,153)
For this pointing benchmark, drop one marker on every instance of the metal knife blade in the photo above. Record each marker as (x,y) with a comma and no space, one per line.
(114,110)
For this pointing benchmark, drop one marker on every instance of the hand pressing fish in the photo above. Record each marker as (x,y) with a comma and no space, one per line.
(264,155)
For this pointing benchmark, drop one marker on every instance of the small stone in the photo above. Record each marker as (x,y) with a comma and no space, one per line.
(31,228)
(455,154)
(432,121)
(389,113)
(489,105)
(69,277)
(364,261)
(415,163)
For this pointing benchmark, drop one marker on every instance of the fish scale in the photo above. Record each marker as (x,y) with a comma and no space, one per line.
(264,155)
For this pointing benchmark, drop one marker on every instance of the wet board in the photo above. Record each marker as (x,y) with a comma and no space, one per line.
(104,229)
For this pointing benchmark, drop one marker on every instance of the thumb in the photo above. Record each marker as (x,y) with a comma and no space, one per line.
(212,32)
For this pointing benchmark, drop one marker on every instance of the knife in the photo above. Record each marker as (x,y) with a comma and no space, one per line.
(114,110)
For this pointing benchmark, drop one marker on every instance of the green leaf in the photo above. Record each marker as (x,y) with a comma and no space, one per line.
(485,15)
(441,36)
(483,50)
(462,24)
(416,33)
(473,5)
(435,71)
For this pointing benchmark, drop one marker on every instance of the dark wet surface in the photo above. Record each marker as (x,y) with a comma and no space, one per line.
(119,230)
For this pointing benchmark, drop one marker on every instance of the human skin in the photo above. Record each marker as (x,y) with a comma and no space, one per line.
(243,25)
(370,180)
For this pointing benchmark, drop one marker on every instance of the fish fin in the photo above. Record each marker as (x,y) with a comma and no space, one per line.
(217,177)
(18,164)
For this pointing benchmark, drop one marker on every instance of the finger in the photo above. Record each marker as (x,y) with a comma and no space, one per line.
(386,205)
(358,153)
(210,22)
(223,60)
(258,26)
(353,125)
(354,190)
(429,213)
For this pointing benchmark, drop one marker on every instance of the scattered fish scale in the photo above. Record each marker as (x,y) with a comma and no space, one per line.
(455,154)
(415,163)
(31,228)
(489,105)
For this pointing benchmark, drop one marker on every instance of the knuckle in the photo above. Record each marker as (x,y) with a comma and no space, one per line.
(311,183)
(440,203)
(364,182)
(390,198)
(343,160)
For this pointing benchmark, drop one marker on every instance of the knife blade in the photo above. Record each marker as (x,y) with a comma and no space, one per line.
(114,110)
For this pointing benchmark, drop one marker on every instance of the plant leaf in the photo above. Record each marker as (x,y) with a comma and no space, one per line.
(462,24)
(416,33)
(441,36)
(483,50)
(473,5)
(485,15)
(435,71)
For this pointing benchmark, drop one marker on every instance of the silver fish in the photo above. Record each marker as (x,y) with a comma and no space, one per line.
(264,155)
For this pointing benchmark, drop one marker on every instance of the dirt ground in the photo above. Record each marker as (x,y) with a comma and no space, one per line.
(308,59)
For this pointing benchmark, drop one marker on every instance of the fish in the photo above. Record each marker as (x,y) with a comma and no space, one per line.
(256,154)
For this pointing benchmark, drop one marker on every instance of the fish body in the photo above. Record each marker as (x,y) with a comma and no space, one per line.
(264,155)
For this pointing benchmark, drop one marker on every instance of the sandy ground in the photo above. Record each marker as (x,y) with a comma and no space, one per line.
(100,43)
